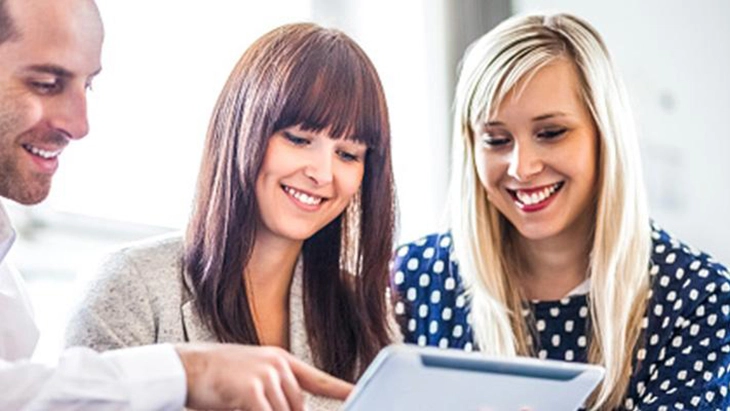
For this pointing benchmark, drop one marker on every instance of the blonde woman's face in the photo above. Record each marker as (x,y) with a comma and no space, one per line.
(306,180)
(536,156)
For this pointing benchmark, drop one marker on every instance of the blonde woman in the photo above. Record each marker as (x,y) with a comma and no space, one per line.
(551,252)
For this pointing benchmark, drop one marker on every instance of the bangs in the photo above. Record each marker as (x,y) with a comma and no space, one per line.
(335,88)
(505,74)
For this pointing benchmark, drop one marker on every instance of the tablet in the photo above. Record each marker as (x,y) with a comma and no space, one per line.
(407,377)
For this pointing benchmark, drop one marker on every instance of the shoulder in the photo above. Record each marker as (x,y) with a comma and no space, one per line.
(680,268)
(147,264)
(688,285)
(428,258)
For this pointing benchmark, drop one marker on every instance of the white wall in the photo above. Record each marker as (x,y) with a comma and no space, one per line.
(674,56)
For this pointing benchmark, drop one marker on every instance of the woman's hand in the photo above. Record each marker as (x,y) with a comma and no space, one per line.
(229,376)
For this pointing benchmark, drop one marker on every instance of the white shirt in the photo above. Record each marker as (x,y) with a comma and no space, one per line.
(142,378)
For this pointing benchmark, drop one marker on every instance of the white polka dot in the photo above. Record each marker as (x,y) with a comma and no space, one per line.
(664,281)
(412,264)
(411,294)
(424,280)
(412,325)
(468,347)
(423,311)
(693,294)
(582,341)
(569,355)
(654,270)
(399,277)
(724,288)
(403,251)
(438,267)
(695,265)
(542,354)
(641,354)
(569,325)
(682,375)
(707,376)
(654,339)
(540,325)
(400,308)
(433,327)
(703,273)
(694,330)
(680,273)
(671,258)
(660,248)
(554,312)
(445,242)
(658,309)
(449,284)
(671,296)
(555,340)
(664,385)
(460,301)
(458,331)
(711,357)
(583,312)
(720,333)
(422,340)
(677,342)
(435,296)
(446,314)
(711,319)
(677,305)
(698,366)
(429,252)
(443,343)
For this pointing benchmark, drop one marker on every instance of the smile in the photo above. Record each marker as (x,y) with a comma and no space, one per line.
(535,198)
(46,154)
(303,197)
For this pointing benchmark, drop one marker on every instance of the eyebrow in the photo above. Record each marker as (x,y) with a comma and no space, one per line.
(56,70)
(534,119)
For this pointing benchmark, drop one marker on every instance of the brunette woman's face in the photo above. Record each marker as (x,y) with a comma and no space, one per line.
(306,180)
(536,156)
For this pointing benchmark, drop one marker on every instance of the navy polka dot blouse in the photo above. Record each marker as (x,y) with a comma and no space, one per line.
(682,364)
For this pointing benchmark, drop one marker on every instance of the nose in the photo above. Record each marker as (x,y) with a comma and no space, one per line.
(524,162)
(69,114)
(319,167)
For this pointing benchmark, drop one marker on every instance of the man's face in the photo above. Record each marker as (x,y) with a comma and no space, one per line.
(44,75)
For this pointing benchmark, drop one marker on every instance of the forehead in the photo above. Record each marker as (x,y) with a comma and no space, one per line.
(64,33)
(553,87)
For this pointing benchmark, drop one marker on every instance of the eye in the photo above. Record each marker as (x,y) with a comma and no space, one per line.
(494,140)
(348,156)
(296,140)
(551,133)
(46,87)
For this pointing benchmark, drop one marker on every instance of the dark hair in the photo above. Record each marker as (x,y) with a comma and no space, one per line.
(7,26)
(298,74)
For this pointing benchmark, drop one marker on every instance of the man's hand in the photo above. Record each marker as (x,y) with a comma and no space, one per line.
(229,376)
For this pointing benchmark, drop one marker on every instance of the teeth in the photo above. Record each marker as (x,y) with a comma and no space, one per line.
(42,153)
(536,197)
(304,198)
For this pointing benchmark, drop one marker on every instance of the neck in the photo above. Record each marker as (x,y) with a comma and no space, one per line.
(554,266)
(268,277)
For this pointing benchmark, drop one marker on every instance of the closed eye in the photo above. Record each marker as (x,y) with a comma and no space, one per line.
(347,156)
(45,87)
(549,134)
(296,140)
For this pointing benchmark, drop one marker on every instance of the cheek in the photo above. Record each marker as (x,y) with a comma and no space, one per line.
(488,170)
(18,115)
(350,181)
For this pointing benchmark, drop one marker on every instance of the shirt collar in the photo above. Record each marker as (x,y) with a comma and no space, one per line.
(7,234)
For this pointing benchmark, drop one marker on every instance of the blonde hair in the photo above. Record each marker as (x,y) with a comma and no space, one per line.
(619,257)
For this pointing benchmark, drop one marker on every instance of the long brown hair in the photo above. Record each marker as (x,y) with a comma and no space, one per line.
(298,74)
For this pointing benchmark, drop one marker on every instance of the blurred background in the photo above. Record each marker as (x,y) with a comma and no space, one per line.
(165,62)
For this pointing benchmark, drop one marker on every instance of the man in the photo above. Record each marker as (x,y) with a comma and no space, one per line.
(49,54)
